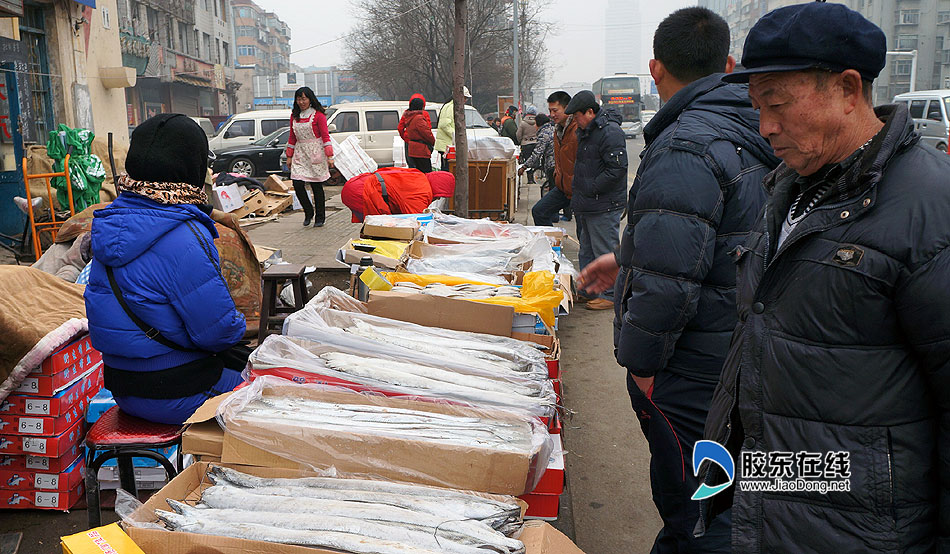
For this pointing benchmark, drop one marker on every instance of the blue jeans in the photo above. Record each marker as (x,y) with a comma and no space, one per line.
(598,234)
(545,211)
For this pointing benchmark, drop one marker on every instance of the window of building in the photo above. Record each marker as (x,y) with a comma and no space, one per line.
(33,33)
(382,120)
(906,42)
(917,108)
(106,18)
(247,51)
(197,45)
(224,9)
(206,5)
(217,50)
(347,122)
(903,67)
(943,16)
(244,12)
(433,118)
(246,31)
(268,126)
(244,128)
(206,46)
(909,17)
(215,2)
(938,42)
(933,111)
(227,53)
(182,37)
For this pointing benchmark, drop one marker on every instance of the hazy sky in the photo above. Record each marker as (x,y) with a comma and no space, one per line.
(576,50)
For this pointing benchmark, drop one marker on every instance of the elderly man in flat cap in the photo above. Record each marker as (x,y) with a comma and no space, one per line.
(834,400)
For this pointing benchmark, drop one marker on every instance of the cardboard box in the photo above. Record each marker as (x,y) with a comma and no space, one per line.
(51,385)
(538,537)
(78,393)
(351,256)
(542,506)
(478,470)
(226,198)
(275,184)
(15,479)
(41,500)
(254,200)
(438,311)
(395,233)
(43,425)
(274,203)
(552,482)
(51,447)
(107,539)
(79,352)
(23,462)
(203,436)
(263,253)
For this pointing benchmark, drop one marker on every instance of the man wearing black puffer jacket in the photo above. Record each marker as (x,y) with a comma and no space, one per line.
(600,183)
(697,195)
(841,361)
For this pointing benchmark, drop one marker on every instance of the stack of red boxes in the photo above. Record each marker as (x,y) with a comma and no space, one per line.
(42,426)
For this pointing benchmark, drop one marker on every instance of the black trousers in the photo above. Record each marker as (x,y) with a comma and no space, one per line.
(526,151)
(672,421)
(422,164)
(317,210)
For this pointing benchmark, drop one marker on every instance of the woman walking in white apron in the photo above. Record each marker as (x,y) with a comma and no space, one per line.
(308,152)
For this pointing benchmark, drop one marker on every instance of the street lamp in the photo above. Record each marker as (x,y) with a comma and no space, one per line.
(913,66)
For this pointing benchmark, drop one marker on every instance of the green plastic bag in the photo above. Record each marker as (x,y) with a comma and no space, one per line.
(86,170)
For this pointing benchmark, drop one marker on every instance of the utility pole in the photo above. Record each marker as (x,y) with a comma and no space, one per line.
(458,100)
(516,24)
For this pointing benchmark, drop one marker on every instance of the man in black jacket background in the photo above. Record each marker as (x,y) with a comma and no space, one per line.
(599,185)
(697,194)
(835,397)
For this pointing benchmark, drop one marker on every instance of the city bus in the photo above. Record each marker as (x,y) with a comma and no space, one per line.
(621,91)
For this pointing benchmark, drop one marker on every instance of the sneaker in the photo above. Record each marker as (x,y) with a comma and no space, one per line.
(319,223)
(600,304)
(306,220)
(565,218)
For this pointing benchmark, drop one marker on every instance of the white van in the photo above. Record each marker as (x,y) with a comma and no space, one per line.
(205,125)
(376,124)
(929,109)
(244,128)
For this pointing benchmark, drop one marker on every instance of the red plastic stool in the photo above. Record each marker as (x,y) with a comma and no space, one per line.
(121,436)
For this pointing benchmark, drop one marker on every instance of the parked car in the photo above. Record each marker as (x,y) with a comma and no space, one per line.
(631,129)
(375,123)
(646,116)
(205,125)
(929,109)
(258,159)
(244,128)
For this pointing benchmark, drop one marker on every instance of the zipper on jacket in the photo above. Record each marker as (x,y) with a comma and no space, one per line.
(890,479)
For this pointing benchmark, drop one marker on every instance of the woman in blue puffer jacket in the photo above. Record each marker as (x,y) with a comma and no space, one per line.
(158,308)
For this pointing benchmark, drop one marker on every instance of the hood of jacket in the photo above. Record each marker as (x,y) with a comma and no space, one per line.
(133,224)
(530,119)
(728,102)
(603,117)
(410,115)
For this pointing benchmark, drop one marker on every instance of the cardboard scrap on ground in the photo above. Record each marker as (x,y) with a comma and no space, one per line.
(276,184)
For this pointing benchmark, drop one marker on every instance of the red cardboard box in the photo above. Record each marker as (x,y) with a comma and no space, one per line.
(43,426)
(51,447)
(22,462)
(552,481)
(42,500)
(542,506)
(76,394)
(43,480)
(50,385)
(76,357)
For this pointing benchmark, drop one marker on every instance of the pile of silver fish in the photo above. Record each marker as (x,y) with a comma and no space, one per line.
(478,350)
(351,515)
(466,291)
(367,420)
(508,391)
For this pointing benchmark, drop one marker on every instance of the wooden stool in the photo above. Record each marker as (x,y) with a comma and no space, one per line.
(274,276)
(121,436)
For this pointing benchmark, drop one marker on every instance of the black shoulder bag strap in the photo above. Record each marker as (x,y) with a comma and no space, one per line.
(393,209)
(150,332)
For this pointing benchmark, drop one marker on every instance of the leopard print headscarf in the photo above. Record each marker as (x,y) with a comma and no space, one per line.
(164,193)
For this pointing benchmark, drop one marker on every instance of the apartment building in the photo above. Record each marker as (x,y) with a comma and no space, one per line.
(262,43)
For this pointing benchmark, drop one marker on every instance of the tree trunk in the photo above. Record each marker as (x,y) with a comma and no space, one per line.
(458,98)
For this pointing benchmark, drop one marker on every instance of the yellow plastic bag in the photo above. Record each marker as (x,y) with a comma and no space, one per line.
(538,295)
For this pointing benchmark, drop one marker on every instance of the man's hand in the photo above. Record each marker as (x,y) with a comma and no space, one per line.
(521,171)
(645,384)
(599,275)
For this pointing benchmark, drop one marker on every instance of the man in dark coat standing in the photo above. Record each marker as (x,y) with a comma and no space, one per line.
(600,184)
(834,400)
(697,195)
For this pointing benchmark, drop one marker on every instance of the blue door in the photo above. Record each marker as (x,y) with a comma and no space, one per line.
(12,219)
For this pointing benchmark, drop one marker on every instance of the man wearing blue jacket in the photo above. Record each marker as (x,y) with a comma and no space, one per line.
(600,183)
(697,195)
(159,309)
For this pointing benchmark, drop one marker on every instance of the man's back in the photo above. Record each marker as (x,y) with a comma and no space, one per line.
(696,197)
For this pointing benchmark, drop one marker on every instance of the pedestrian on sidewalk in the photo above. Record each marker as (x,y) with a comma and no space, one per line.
(308,153)
(445,134)
(158,308)
(527,137)
(558,197)
(415,129)
(543,158)
(401,128)
(697,196)
(599,186)
(509,127)
(842,351)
